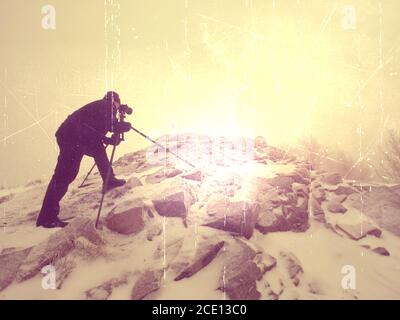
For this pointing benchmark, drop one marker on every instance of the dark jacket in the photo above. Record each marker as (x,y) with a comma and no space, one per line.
(88,125)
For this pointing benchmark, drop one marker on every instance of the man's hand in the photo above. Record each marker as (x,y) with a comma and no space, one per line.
(114,140)
(120,127)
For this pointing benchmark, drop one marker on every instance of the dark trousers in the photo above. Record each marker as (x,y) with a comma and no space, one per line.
(67,168)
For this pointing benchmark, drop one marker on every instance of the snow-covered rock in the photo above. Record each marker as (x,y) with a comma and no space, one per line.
(246,221)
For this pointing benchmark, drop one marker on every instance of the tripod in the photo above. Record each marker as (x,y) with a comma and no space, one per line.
(148,138)
(104,190)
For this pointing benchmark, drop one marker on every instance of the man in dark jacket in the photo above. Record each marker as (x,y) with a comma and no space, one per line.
(82,133)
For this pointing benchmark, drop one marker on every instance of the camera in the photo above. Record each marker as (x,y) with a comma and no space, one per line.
(124,108)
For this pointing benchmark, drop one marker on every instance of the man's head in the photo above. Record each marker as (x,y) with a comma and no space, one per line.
(113,98)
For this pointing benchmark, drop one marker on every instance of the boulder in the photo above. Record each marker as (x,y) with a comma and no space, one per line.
(359,230)
(127,217)
(332,178)
(242,270)
(10,263)
(344,190)
(336,207)
(271,221)
(175,200)
(291,215)
(238,217)
(189,261)
(147,283)
(217,203)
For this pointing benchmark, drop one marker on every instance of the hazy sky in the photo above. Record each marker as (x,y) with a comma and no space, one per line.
(278,68)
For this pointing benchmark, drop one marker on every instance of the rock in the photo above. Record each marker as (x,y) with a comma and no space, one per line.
(196,175)
(162,174)
(241,272)
(344,190)
(316,210)
(133,182)
(315,185)
(336,207)
(10,263)
(103,291)
(338,198)
(300,189)
(84,227)
(319,194)
(381,250)
(332,178)
(217,204)
(381,204)
(269,262)
(271,221)
(147,283)
(57,246)
(291,215)
(127,217)
(174,201)
(189,261)
(282,183)
(359,230)
(238,217)
(292,266)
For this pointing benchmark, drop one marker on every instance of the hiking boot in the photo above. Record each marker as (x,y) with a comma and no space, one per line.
(56,223)
(113,183)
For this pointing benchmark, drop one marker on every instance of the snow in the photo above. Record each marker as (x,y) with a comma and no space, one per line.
(322,253)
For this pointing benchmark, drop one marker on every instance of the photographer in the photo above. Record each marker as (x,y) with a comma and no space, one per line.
(83,133)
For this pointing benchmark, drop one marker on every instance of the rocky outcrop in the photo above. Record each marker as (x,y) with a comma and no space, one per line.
(237,217)
(243,268)
(189,261)
(175,200)
(127,217)
(336,207)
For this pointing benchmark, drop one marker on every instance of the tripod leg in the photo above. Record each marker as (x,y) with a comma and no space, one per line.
(105,186)
(87,176)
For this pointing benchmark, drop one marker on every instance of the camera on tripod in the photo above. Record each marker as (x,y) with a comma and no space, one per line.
(124,108)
